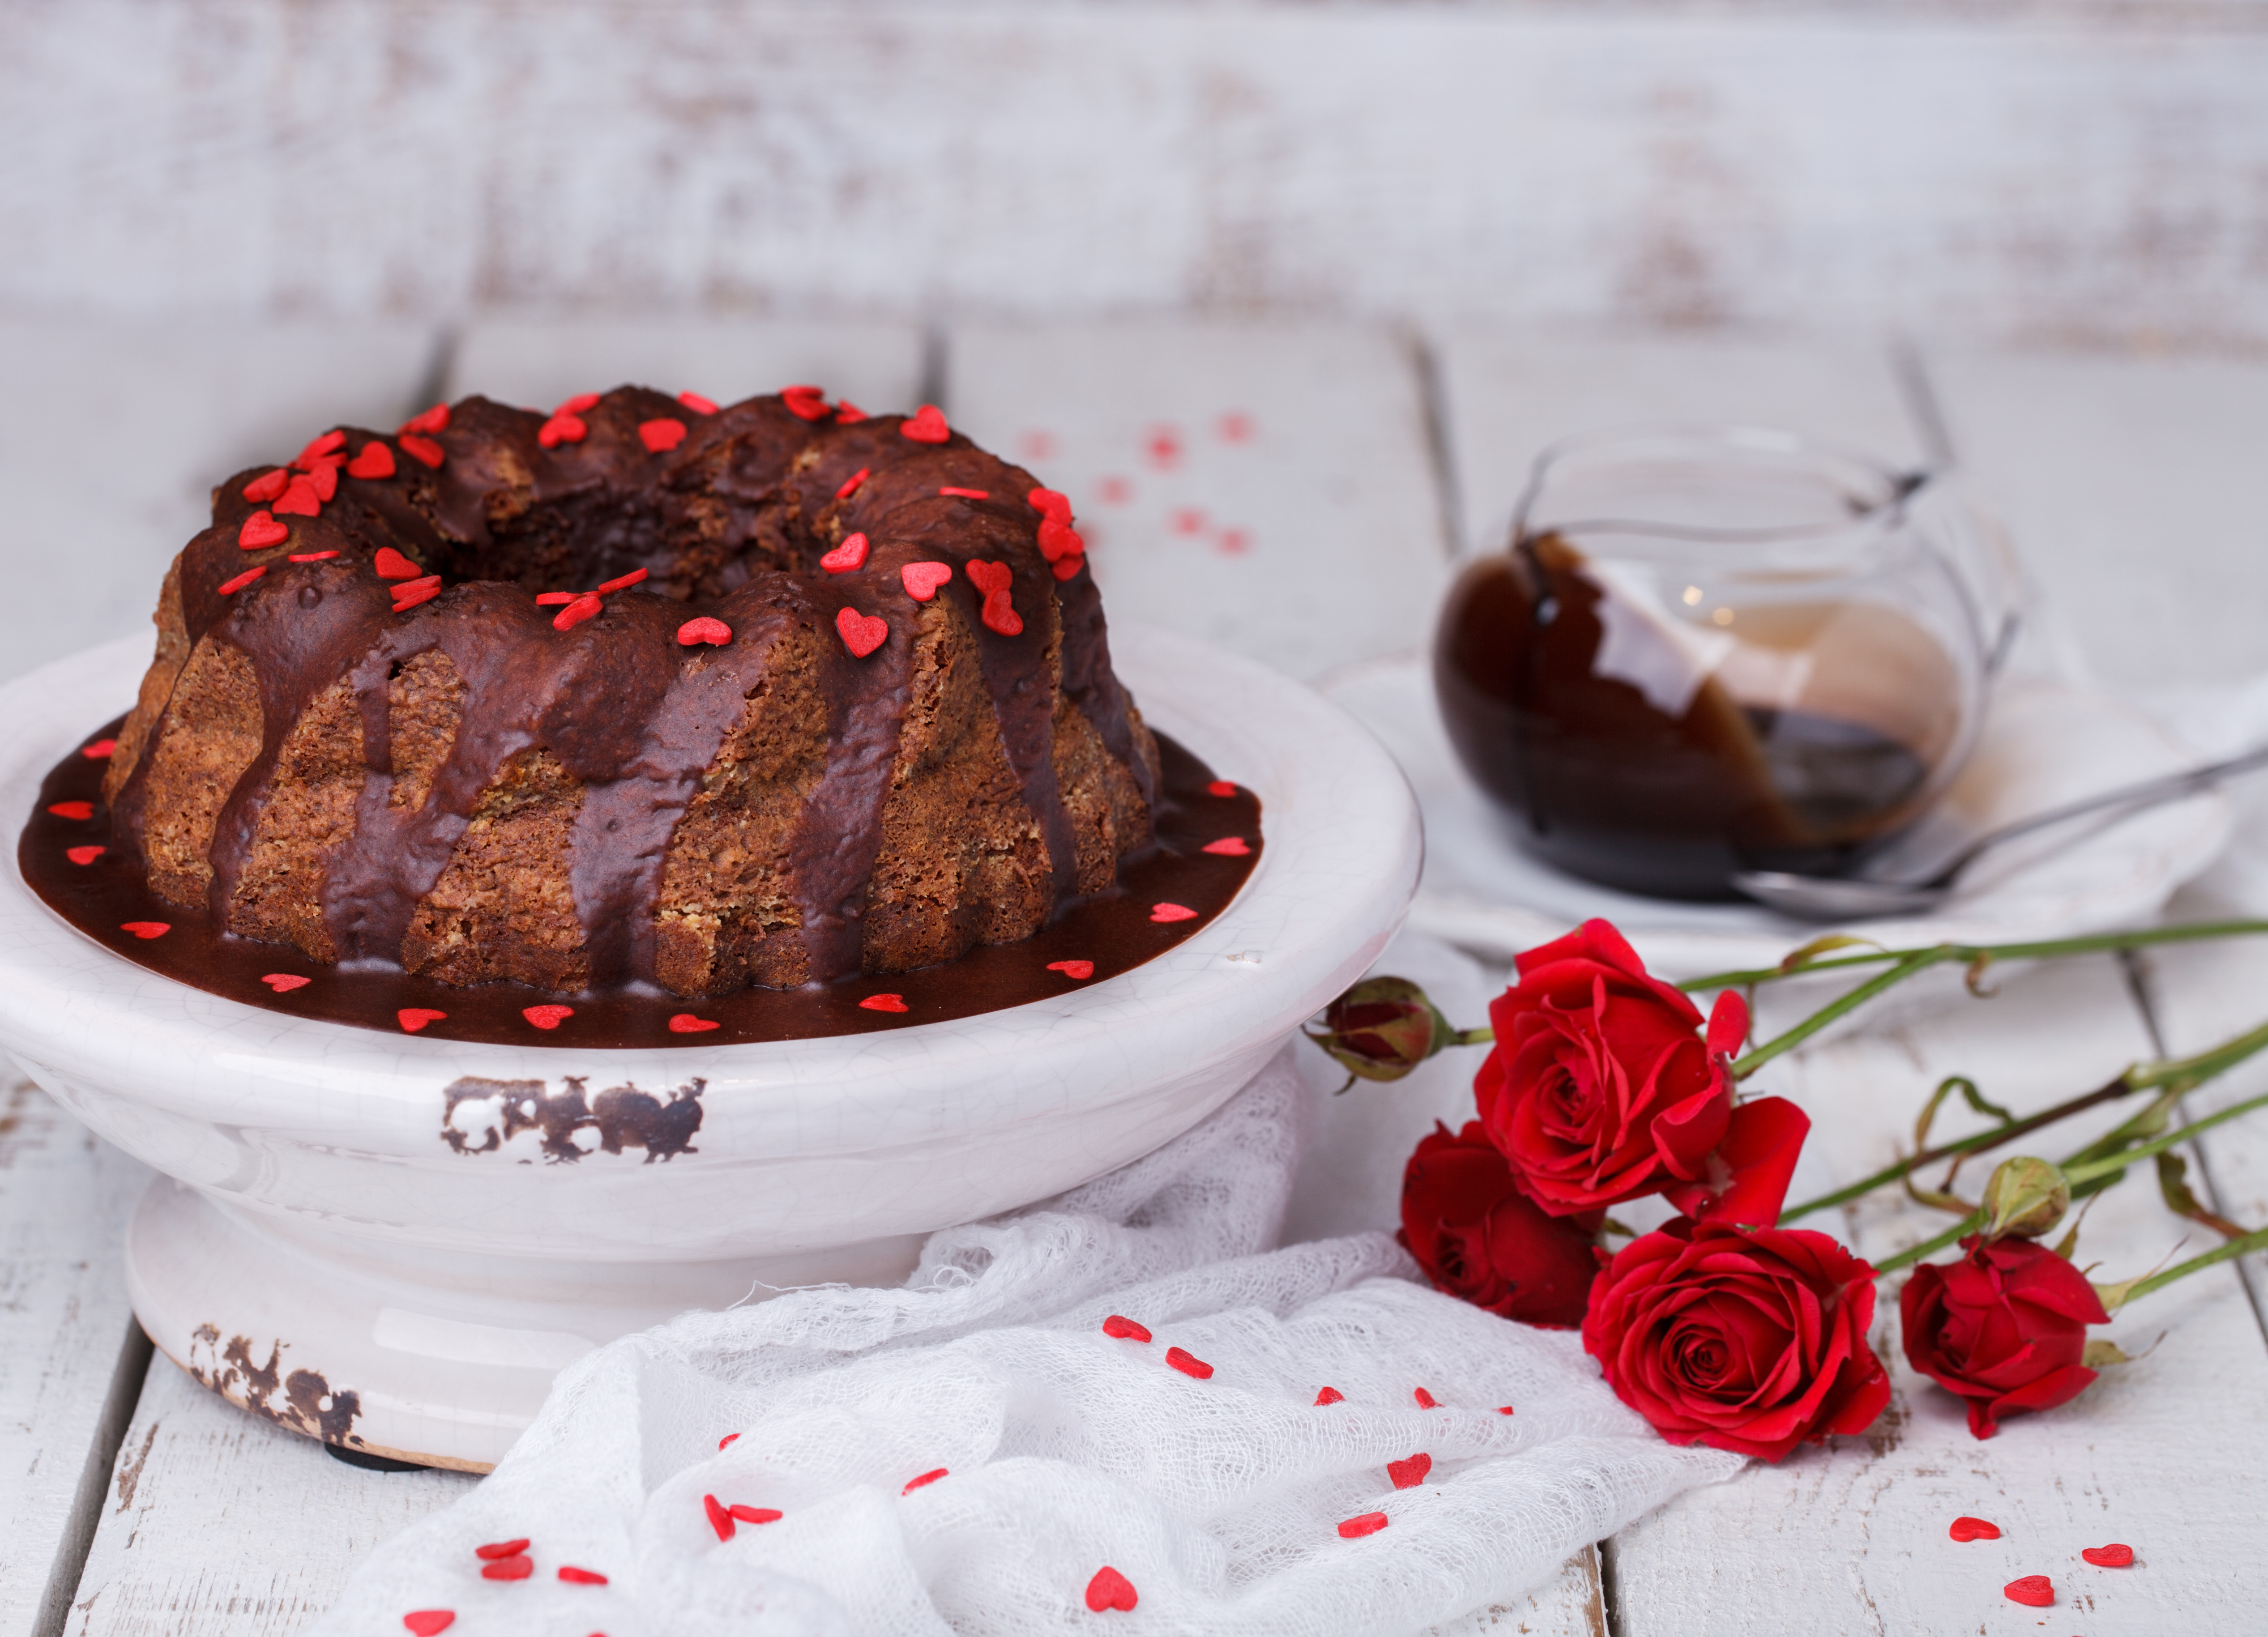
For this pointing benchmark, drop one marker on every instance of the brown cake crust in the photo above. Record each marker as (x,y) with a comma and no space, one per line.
(464,787)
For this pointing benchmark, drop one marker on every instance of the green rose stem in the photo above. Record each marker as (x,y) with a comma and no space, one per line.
(2227,1251)
(1941,954)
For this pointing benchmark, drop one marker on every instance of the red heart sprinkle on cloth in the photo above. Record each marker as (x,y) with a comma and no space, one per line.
(577,404)
(1080,971)
(409,595)
(1355,1528)
(2112,1556)
(562,429)
(967,494)
(1189,1363)
(547,1017)
(662,435)
(318,447)
(99,751)
(927,425)
(1110,1589)
(727,1439)
(850,484)
(375,461)
(913,1484)
(430,1622)
(696,403)
(324,479)
(1050,504)
(1162,913)
(1973,1529)
(284,982)
(433,420)
(84,855)
(1068,567)
(1329,1395)
(805,403)
(1230,846)
(311,556)
(73,810)
(2034,1591)
(1503,1409)
(231,586)
(575,1576)
(1425,1400)
(719,1518)
(390,564)
(622,582)
(587,606)
(1220,787)
(758,1514)
(850,554)
(260,530)
(496,1549)
(1058,540)
(922,579)
(300,500)
(267,487)
(999,615)
(424,451)
(989,577)
(861,634)
(883,1003)
(848,413)
(412,1018)
(1125,1329)
(1410,1473)
(509,1569)
(704,629)
(146,929)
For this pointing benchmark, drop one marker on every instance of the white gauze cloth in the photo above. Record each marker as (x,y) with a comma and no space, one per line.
(1064,1449)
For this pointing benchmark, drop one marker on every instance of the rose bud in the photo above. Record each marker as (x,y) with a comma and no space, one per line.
(1752,1339)
(2004,1327)
(2025,1198)
(1601,1087)
(1477,1237)
(1382,1028)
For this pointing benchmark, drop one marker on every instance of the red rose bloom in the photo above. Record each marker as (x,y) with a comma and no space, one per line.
(2004,1327)
(1748,1339)
(1599,1088)
(1477,1237)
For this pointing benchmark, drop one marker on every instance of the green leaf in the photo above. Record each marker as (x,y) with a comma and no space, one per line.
(2103,1355)
(2173,1182)
(1797,958)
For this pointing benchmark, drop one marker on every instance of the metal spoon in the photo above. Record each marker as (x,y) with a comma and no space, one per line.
(1853,898)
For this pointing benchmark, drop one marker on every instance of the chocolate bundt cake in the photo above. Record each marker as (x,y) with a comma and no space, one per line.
(641,690)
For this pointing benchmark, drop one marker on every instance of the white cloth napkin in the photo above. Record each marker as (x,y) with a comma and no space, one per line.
(1064,1449)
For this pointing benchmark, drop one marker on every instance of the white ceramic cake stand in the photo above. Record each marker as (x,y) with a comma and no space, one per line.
(317,1252)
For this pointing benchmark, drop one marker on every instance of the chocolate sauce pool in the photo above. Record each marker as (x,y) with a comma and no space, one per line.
(1114,931)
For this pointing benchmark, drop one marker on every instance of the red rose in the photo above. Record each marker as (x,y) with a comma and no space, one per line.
(2004,1327)
(1599,1088)
(1477,1237)
(1751,1339)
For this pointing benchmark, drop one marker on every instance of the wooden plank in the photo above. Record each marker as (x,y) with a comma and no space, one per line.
(64,1195)
(217,1523)
(1267,488)
(1573,1605)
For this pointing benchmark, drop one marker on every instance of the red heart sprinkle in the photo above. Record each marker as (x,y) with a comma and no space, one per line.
(1329,1395)
(267,487)
(999,615)
(73,810)
(1109,1590)
(324,479)
(1425,1400)
(1050,504)
(1172,912)
(1059,539)
(562,429)
(704,629)
(1067,567)
(1355,1528)
(433,420)
(1079,970)
(805,403)
(375,461)
(757,1514)
(318,447)
(1236,428)
(1410,1473)
(1220,787)
(1230,846)
(1233,542)
(696,403)
(424,451)
(622,582)
(927,425)
(587,606)
(1115,491)
(509,1569)
(555,599)
(577,404)
(311,556)
(284,982)
(412,1018)
(99,751)
(2112,1556)
(727,1439)
(1189,1363)
(1974,1528)
(575,1576)
(1503,1409)
(390,564)
(913,1484)
(230,587)
(1125,1329)
(547,1017)
(848,413)
(409,595)
(300,500)
(146,929)
(861,634)
(496,1549)
(430,1622)
(967,494)
(989,577)
(661,436)
(84,855)
(850,484)
(262,530)
(922,579)
(851,554)
(719,1518)
(883,1003)
(2034,1591)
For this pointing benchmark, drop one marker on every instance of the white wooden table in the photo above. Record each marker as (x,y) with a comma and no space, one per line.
(1301,494)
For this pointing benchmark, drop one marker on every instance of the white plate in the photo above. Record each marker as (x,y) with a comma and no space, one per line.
(2044,742)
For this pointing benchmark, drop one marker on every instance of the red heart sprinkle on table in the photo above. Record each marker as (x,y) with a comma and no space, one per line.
(927,425)
(412,1018)
(433,420)
(146,929)
(1236,428)
(284,982)
(1187,520)
(850,484)
(967,494)
(562,429)
(1355,1528)
(375,461)
(621,582)
(1220,787)
(575,1576)
(73,810)
(1109,1590)
(913,1484)
(850,554)
(577,404)
(2034,1591)
(922,579)
(1125,1329)
(390,564)
(311,556)
(324,479)
(999,615)
(1973,1529)
(318,447)
(547,1017)
(412,593)
(262,530)
(1410,1473)
(99,751)
(757,1514)
(1230,846)
(704,629)
(509,1569)
(496,1549)
(719,1518)
(424,451)
(1068,567)
(1051,502)
(883,1003)
(430,1622)
(2112,1556)
(848,413)
(1164,447)
(861,634)
(1115,491)
(727,1439)
(1425,1400)
(805,403)
(587,606)
(1329,1395)
(300,500)
(1172,912)
(1080,970)
(1058,540)
(696,403)
(662,435)
(231,586)
(989,577)
(84,855)
(1189,1363)
(267,487)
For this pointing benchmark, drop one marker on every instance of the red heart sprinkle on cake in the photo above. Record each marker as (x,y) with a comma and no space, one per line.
(324,479)
(547,1017)
(284,982)
(1189,1363)
(1230,846)
(73,810)
(883,1003)
(704,629)
(999,615)
(1050,503)
(375,461)
(661,436)
(267,485)
(430,1622)
(411,593)
(577,404)
(850,484)
(2034,1591)
(496,1549)
(146,929)
(1220,787)
(621,582)
(1125,1329)
(1080,970)
(1109,1590)
(922,579)
(967,494)
(1974,1528)
(562,429)
(318,447)
(575,1576)
(927,425)
(1059,541)
(312,556)
(261,530)
(1172,912)
(805,403)
(390,564)
(300,500)
(719,1519)
(424,451)
(433,420)
(587,606)
(913,1484)
(84,855)
(2112,1556)
(1067,567)
(696,403)
(848,413)
(412,1018)
(230,587)
(1425,1400)
(989,577)
(757,1514)
(850,554)
(1367,1524)
(861,634)
(1410,1473)
(100,750)
(1329,1395)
